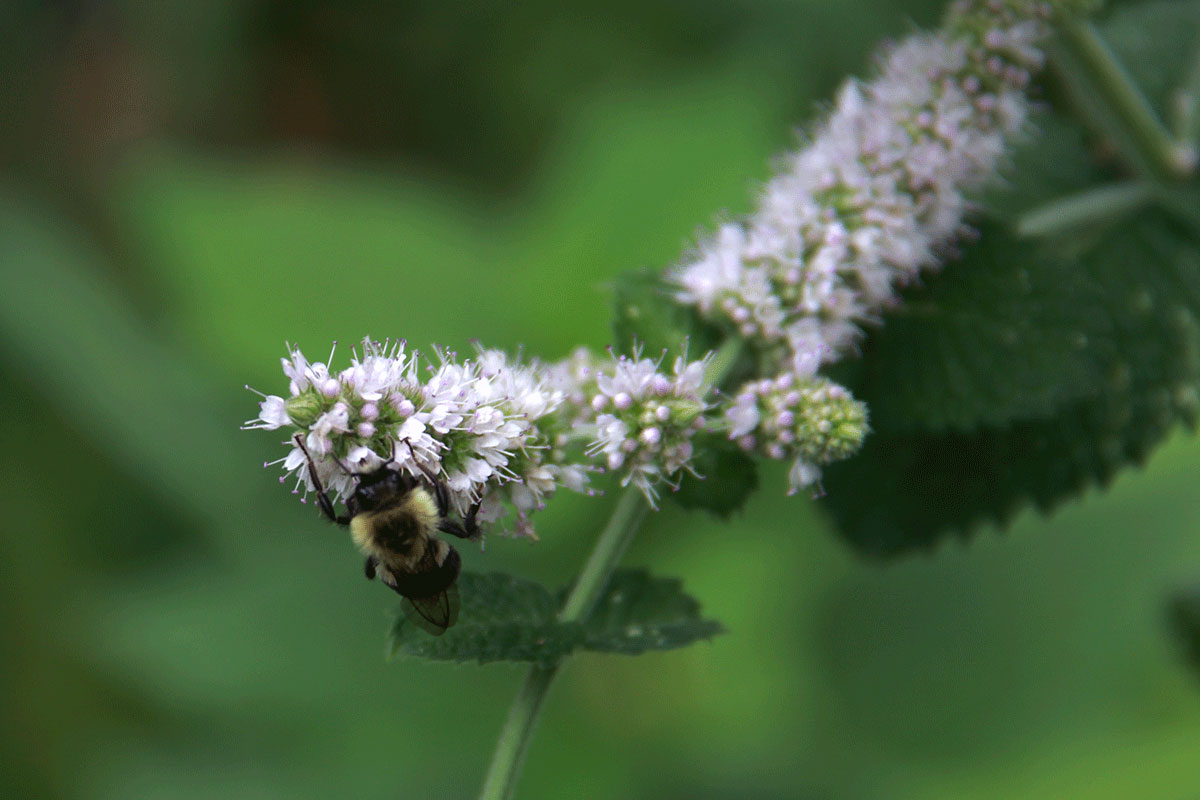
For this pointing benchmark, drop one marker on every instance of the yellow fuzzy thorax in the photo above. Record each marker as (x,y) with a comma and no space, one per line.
(418,503)
(360,532)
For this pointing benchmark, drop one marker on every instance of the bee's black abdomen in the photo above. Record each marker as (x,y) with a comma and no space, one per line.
(431,582)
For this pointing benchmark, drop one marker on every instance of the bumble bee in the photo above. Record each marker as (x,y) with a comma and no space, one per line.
(393,518)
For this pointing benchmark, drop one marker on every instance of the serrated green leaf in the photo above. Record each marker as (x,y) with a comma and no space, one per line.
(639,612)
(929,483)
(505,618)
(725,478)
(501,618)
(1057,163)
(646,315)
(1010,334)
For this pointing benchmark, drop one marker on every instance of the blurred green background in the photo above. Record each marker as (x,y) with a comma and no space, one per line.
(185,186)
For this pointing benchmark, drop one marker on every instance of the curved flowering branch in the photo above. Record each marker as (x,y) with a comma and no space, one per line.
(881,185)
(496,431)
(879,193)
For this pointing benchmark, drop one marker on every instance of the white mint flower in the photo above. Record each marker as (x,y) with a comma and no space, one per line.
(572,377)
(519,433)
(272,414)
(302,375)
(743,415)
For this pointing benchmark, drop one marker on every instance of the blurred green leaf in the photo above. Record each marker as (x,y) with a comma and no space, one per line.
(502,618)
(639,612)
(647,315)
(1057,163)
(1183,612)
(506,618)
(725,478)
(129,385)
(1007,333)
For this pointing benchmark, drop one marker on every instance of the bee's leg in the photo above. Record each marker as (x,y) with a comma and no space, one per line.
(469,523)
(467,529)
(369,568)
(440,495)
(323,501)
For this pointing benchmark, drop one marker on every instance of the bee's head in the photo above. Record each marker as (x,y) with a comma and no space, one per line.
(376,488)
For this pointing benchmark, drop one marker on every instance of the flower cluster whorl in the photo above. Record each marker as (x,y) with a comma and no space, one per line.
(527,394)
(489,429)
(645,419)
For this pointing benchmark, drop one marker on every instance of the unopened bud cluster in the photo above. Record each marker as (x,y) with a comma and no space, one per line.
(811,421)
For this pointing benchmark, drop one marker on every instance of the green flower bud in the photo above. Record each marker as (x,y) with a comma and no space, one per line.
(303,409)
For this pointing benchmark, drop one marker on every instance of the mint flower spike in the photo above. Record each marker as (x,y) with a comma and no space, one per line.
(878,190)
(645,419)
(490,428)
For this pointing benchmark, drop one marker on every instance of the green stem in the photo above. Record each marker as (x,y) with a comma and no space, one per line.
(1103,202)
(501,778)
(1096,75)
(1187,105)
(611,545)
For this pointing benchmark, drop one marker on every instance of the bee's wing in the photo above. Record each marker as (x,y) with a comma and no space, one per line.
(433,614)
(431,598)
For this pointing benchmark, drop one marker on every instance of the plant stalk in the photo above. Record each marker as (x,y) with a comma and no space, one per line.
(627,516)
(1091,66)
(611,545)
